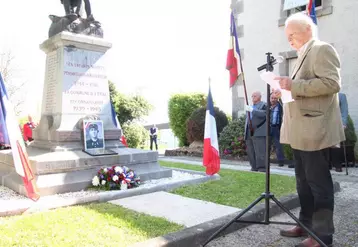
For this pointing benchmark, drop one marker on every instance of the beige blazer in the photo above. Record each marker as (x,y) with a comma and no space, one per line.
(313,121)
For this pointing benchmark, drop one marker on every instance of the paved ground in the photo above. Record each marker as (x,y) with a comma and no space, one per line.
(181,210)
(345,218)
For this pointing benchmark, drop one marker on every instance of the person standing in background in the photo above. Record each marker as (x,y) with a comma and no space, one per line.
(153,134)
(27,130)
(275,122)
(256,141)
(336,152)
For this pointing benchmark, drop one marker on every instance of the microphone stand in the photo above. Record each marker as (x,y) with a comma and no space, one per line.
(267,195)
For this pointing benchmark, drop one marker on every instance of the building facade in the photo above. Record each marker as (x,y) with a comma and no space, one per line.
(260,28)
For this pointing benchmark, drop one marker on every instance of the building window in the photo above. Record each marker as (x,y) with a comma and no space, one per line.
(323,7)
(303,7)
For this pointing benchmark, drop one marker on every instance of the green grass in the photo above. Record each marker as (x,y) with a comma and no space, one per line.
(235,188)
(101,224)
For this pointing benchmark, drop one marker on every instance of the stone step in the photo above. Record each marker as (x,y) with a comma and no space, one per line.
(69,171)
(56,183)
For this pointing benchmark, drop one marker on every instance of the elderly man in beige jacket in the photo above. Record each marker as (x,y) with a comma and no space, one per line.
(311,125)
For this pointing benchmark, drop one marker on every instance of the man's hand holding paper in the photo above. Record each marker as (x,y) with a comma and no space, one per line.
(281,83)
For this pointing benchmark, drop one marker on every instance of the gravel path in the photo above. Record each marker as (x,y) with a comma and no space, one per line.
(345,219)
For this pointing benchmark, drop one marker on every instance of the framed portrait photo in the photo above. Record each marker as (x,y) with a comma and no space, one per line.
(93,135)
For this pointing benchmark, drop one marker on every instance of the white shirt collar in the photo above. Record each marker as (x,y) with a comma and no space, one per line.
(302,50)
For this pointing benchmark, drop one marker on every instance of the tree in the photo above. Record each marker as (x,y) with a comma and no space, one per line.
(14,88)
(195,125)
(128,108)
(180,107)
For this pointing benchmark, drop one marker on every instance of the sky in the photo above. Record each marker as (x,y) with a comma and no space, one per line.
(159,47)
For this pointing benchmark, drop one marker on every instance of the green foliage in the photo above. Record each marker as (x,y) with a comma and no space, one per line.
(136,135)
(234,188)
(128,108)
(23,120)
(195,124)
(287,151)
(351,137)
(93,224)
(231,138)
(112,90)
(180,107)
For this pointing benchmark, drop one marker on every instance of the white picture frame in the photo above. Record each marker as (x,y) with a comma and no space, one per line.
(93,134)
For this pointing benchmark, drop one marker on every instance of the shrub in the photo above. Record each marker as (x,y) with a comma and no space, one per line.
(232,137)
(195,124)
(351,137)
(287,151)
(136,135)
(237,147)
(180,107)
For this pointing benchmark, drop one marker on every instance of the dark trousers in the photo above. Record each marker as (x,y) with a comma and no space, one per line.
(70,8)
(275,133)
(256,151)
(315,191)
(336,156)
(88,8)
(153,139)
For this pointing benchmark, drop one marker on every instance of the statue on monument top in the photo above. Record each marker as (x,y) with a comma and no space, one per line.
(73,22)
(71,5)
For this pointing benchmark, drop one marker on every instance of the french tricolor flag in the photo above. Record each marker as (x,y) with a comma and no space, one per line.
(117,124)
(211,157)
(12,136)
(233,60)
(311,10)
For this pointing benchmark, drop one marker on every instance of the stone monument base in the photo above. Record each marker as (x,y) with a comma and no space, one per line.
(70,171)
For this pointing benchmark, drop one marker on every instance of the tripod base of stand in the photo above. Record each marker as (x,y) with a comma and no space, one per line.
(267,197)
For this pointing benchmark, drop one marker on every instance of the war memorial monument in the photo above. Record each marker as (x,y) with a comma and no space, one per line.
(75,89)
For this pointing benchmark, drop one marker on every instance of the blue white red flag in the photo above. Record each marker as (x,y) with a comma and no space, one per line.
(12,136)
(211,157)
(117,124)
(114,117)
(233,60)
(311,10)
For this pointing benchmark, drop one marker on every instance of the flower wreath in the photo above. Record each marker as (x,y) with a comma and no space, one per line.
(116,177)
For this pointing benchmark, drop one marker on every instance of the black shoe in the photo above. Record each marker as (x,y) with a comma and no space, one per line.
(280,164)
(291,166)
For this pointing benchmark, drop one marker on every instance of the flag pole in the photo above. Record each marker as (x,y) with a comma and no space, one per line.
(243,76)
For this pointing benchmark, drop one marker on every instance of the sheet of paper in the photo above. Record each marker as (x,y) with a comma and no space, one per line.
(268,77)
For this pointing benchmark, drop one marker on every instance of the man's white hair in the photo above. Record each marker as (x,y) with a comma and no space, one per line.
(303,20)
(258,93)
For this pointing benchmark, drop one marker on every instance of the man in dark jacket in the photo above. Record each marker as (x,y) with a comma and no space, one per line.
(256,139)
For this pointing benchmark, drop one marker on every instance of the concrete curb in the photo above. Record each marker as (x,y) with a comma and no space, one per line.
(105,196)
(197,235)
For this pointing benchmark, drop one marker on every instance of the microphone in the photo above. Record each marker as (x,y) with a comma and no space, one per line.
(273,61)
